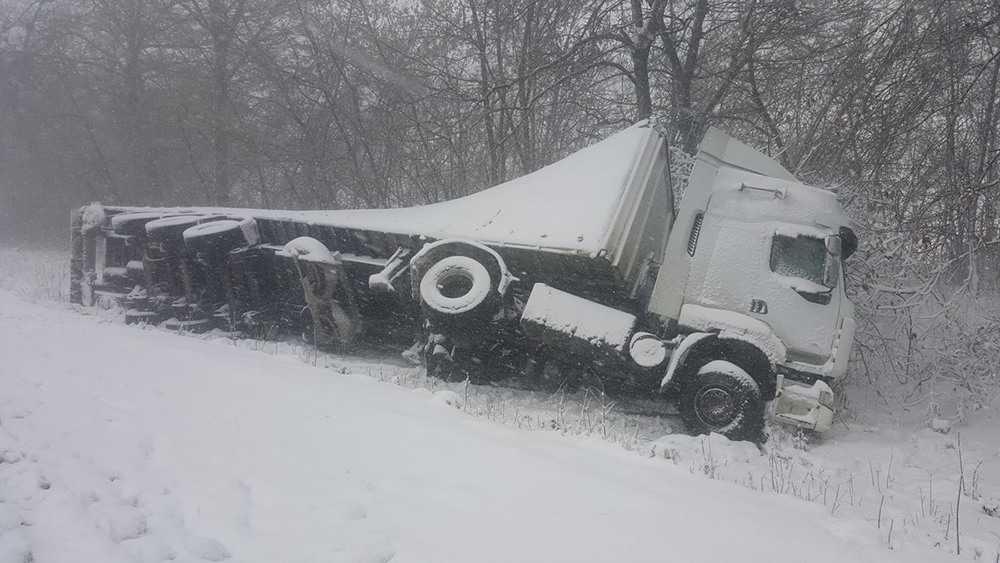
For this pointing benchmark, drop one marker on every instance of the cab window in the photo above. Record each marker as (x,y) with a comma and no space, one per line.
(799,257)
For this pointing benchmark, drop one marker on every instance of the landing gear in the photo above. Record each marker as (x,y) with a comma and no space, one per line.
(479,362)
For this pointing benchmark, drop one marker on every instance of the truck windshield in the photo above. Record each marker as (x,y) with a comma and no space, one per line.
(799,257)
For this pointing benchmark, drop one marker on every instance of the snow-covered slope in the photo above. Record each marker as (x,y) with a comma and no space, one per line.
(118,444)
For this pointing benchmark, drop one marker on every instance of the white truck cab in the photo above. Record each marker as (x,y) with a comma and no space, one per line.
(757,256)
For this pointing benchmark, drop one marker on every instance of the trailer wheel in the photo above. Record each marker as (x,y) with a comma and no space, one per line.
(722,398)
(171,229)
(221,236)
(457,292)
(133,224)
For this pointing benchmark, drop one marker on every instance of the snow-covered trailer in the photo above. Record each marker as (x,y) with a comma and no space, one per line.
(583,263)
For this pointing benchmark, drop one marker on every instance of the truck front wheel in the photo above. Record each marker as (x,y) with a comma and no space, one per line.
(723,398)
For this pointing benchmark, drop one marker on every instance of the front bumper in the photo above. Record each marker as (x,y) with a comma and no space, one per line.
(802,405)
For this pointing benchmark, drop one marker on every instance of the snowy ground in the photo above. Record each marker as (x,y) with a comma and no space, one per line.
(122,444)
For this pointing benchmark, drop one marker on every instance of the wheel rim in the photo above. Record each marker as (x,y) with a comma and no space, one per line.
(455,284)
(716,407)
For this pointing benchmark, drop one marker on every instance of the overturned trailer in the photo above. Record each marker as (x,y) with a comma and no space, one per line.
(729,303)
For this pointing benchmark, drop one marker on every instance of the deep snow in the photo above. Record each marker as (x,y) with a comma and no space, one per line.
(122,444)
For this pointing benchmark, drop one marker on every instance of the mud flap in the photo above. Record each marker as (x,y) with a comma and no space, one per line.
(331,302)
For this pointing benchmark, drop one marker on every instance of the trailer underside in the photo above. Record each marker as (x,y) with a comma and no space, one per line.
(259,289)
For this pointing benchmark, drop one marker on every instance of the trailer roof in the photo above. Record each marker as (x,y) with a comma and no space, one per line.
(567,206)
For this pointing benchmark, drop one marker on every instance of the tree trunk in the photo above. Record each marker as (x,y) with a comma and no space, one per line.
(220,102)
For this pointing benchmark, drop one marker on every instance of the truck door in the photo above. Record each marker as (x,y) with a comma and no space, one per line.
(773,274)
(800,295)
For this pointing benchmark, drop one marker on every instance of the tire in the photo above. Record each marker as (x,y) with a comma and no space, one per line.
(133,224)
(216,237)
(724,399)
(457,293)
(171,229)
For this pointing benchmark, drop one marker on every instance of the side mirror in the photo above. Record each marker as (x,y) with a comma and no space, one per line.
(831,270)
(848,242)
(833,245)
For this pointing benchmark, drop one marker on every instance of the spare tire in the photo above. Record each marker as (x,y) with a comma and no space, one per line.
(458,292)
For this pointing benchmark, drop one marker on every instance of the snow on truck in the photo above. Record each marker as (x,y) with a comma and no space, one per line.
(732,305)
